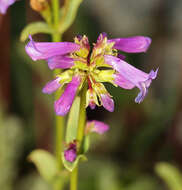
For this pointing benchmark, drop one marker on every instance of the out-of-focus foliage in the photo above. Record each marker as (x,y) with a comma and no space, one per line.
(11,145)
(170,174)
(33,182)
(45,163)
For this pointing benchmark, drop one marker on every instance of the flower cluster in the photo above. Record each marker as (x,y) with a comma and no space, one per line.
(82,64)
(4,4)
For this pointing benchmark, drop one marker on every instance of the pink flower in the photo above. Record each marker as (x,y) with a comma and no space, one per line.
(81,65)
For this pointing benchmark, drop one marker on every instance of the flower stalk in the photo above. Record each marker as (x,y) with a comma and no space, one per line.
(74,179)
(59,139)
(59,121)
(56,37)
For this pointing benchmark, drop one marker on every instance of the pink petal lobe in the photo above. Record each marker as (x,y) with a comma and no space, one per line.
(107,102)
(60,62)
(52,86)
(64,103)
(46,50)
(136,44)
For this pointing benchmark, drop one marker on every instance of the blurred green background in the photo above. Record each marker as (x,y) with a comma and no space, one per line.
(143,149)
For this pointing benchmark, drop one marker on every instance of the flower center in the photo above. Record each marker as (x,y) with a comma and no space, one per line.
(90,62)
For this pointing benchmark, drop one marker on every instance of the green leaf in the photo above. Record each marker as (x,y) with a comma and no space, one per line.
(45,163)
(86,143)
(72,124)
(72,165)
(34,28)
(170,174)
(69,9)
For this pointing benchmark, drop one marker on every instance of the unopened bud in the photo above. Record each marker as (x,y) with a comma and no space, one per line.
(39,5)
(70,153)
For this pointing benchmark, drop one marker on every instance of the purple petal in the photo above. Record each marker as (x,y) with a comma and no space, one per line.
(60,62)
(52,86)
(145,85)
(131,75)
(122,82)
(70,155)
(97,126)
(46,50)
(143,92)
(107,102)
(64,103)
(128,71)
(134,44)
(4,4)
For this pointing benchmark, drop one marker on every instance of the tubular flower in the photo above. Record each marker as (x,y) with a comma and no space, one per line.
(101,64)
(4,4)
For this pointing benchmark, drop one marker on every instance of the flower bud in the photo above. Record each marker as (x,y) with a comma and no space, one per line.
(39,5)
(70,153)
(91,98)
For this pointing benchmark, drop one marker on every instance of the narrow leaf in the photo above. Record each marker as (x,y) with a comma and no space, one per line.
(72,124)
(34,28)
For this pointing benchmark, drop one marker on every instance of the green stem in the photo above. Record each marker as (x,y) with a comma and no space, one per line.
(59,139)
(80,135)
(59,121)
(56,37)
(74,179)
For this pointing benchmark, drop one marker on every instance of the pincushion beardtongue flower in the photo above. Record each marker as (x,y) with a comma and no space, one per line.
(4,4)
(102,64)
